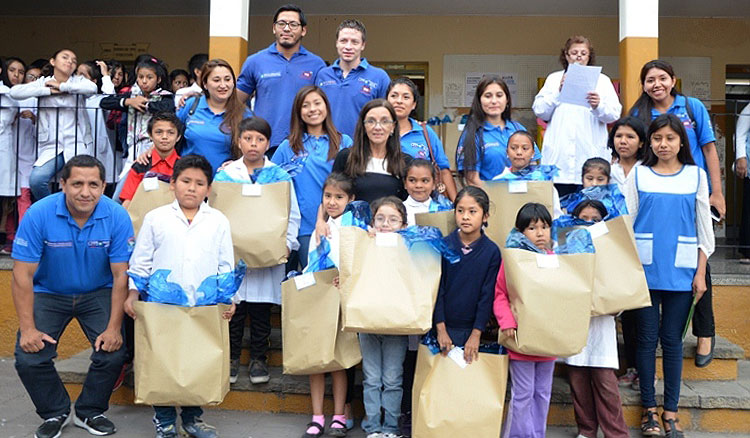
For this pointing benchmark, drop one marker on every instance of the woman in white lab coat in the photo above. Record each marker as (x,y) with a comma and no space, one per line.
(575,133)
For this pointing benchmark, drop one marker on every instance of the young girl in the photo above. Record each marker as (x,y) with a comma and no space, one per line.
(98,72)
(338,191)
(626,140)
(383,355)
(63,127)
(420,185)
(313,143)
(178,79)
(668,197)
(593,384)
(261,287)
(139,104)
(8,187)
(530,376)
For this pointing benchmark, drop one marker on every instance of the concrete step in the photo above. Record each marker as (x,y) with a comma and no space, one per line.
(723,366)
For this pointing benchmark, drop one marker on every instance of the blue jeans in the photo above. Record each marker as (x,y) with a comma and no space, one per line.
(167,415)
(667,328)
(52,313)
(382,365)
(42,175)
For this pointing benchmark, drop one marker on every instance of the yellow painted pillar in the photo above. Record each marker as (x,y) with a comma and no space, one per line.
(639,44)
(228,27)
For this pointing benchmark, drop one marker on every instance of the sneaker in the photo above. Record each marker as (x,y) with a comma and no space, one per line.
(404,424)
(234,369)
(390,435)
(198,429)
(52,427)
(628,378)
(7,249)
(259,372)
(166,431)
(96,425)
(375,435)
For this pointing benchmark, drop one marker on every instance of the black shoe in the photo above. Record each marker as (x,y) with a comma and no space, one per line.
(97,425)
(52,427)
(259,372)
(702,360)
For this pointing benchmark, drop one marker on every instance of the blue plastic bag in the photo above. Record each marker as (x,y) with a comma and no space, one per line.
(541,172)
(576,242)
(609,195)
(433,237)
(213,290)
(440,203)
(319,260)
(262,175)
(357,214)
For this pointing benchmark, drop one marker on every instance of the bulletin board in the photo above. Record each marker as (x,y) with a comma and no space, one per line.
(695,73)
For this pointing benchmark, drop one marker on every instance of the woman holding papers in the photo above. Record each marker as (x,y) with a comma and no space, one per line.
(575,131)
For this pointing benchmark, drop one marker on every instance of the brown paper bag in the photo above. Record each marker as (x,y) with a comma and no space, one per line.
(258,217)
(144,201)
(450,141)
(619,280)
(385,287)
(550,297)
(311,312)
(507,198)
(445,221)
(449,401)
(181,354)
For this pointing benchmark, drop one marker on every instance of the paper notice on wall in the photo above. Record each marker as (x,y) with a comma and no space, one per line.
(511,80)
(472,79)
(700,90)
(452,95)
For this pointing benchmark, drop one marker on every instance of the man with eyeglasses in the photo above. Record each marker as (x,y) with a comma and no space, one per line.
(276,73)
(350,82)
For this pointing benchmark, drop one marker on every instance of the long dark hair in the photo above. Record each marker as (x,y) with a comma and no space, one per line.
(403,80)
(234,110)
(95,73)
(683,156)
(4,74)
(360,151)
(159,68)
(477,117)
(643,106)
(298,127)
(640,130)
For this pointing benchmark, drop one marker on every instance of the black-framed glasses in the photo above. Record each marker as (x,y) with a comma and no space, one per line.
(293,25)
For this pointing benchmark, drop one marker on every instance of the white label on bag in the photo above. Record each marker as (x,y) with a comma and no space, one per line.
(304,280)
(547,261)
(251,189)
(598,229)
(457,354)
(386,239)
(150,184)
(518,187)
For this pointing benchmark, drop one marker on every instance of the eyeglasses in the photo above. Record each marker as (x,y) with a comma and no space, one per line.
(576,53)
(393,221)
(371,123)
(293,25)
(31,77)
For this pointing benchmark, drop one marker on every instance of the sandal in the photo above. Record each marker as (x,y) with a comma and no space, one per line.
(337,431)
(317,434)
(650,423)
(672,432)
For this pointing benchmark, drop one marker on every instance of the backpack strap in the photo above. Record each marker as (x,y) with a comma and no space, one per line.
(440,185)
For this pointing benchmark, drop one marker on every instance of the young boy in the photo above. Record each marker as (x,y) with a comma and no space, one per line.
(164,130)
(193,241)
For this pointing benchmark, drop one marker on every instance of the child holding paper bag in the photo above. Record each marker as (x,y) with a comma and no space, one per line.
(261,287)
(420,184)
(531,376)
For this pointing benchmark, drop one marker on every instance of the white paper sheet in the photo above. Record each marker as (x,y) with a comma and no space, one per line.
(579,81)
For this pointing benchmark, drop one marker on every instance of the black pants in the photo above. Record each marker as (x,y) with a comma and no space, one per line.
(260,329)
(410,367)
(629,336)
(350,374)
(566,189)
(703,318)
(745,221)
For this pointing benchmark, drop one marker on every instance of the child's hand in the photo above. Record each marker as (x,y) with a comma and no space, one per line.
(138,103)
(185,97)
(336,281)
(228,314)
(103,68)
(145,158)
(511,333)
(129,301)
(444,340)
(321,230)
(53,84)
(471,347)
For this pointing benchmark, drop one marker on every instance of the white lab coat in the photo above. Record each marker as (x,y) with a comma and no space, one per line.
(8,134)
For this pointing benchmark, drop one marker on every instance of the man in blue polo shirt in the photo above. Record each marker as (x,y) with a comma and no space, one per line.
(71,255)
(350,82)
(276,73)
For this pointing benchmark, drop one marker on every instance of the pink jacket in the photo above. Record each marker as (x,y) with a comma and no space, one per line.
(505,318)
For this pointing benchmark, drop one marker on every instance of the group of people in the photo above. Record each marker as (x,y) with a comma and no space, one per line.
(348,132)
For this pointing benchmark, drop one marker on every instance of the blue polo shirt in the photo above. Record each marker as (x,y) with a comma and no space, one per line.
(275,81)
(308,184)
(494,141)
(414,143)
(203,134)
(73,260)
(349,94)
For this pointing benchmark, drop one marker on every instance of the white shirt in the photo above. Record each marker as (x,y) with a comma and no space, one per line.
(27,142)
(601,346)
(575,133)
(192,251)
(556,208)
(97,119)
(377,165)
(413,207)
(263,285)
(55,138)
(193,88)
(617,174)
(741,134)
(8,127)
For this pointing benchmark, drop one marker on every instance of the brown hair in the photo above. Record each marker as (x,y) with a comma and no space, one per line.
(234,110)
(394,202)
(298,127)
(576,39)
(360,151)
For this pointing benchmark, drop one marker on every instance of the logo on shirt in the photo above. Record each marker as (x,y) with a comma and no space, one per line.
(131,243)
(421,152)
(98,243)
(20,242)
(275,74)
(369,83)
(326,83)
(366,89)
(196,122)
(61,244)
(493,144)
(306,75)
